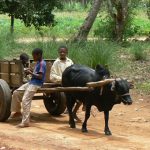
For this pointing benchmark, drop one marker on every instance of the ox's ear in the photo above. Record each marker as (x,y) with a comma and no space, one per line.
(131,84)
(99,67)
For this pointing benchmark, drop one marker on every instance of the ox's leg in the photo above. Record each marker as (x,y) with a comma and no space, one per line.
(70,103)
(87,116)
(106,116)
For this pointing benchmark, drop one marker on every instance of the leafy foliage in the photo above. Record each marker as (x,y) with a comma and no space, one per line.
(135,24)
(31,12)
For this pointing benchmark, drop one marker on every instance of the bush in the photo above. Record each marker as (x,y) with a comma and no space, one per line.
(138,51)
(103,27)
(137,23)
(88,53)
(106,25)
(93,53)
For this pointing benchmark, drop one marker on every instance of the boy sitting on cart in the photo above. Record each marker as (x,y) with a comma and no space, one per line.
(24,58)
(57,69)
(60,64)
(26,92)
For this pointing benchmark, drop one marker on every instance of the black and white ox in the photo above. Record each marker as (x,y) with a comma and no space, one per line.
(104,94)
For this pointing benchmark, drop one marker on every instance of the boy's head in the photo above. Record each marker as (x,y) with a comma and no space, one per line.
(37,54)
(24,58)
(63,52)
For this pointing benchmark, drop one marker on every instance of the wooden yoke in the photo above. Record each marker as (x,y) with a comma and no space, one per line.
(99,83)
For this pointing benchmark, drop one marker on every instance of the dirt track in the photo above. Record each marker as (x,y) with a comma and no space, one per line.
(129,124)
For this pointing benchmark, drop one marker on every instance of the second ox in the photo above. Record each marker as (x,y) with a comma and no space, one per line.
(104,95)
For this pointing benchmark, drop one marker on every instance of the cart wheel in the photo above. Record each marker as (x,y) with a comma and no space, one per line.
(55,103)
(5,100)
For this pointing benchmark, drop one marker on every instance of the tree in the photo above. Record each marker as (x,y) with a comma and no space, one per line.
(88,23)
(84,2)
(31,12)
(148,8)
(10,7)
(118,10)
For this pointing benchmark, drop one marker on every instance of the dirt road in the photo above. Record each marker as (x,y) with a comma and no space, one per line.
(130,126)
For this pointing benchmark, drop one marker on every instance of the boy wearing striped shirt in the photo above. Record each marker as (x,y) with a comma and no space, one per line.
(26,92)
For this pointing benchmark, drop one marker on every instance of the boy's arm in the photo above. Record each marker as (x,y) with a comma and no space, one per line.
(38,76)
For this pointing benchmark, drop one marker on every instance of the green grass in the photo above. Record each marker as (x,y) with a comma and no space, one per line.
(144,87)
(76,6)
(88,53)
(120,58)
(68,23)
(141,26)
(138,49)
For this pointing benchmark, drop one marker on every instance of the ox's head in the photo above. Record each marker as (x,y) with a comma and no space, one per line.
(103,72)
(121,88)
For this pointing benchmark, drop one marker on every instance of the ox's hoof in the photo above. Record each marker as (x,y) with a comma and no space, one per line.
(84,130)
(72,126)
(108,133)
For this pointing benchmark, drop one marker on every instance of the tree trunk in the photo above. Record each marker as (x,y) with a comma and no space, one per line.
(12,24)
(119,16)
(88,23)
(148,9)
(84,2)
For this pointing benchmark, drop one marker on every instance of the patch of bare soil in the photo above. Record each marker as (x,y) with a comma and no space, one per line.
(130,126)
(53,38)
(45,39)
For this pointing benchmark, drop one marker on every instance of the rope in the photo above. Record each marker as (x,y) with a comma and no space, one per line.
(127,94)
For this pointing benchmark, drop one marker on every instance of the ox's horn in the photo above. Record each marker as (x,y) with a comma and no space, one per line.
(131,83)
(99,83)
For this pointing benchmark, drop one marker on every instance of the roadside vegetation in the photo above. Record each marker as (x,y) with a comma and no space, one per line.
(129,58)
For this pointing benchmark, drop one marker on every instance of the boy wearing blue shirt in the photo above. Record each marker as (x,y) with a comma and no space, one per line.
(30,88)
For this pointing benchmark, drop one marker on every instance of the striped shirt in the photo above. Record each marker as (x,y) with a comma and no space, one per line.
(40,67)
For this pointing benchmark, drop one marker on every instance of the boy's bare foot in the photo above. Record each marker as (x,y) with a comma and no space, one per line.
(22,125)
(15,115)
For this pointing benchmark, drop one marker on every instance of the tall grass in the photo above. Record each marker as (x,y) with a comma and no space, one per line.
(76,6)
(89,53)
(140,50)
(6,44)
(68,23)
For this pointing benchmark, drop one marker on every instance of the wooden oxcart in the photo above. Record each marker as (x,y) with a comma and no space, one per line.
(11,77)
